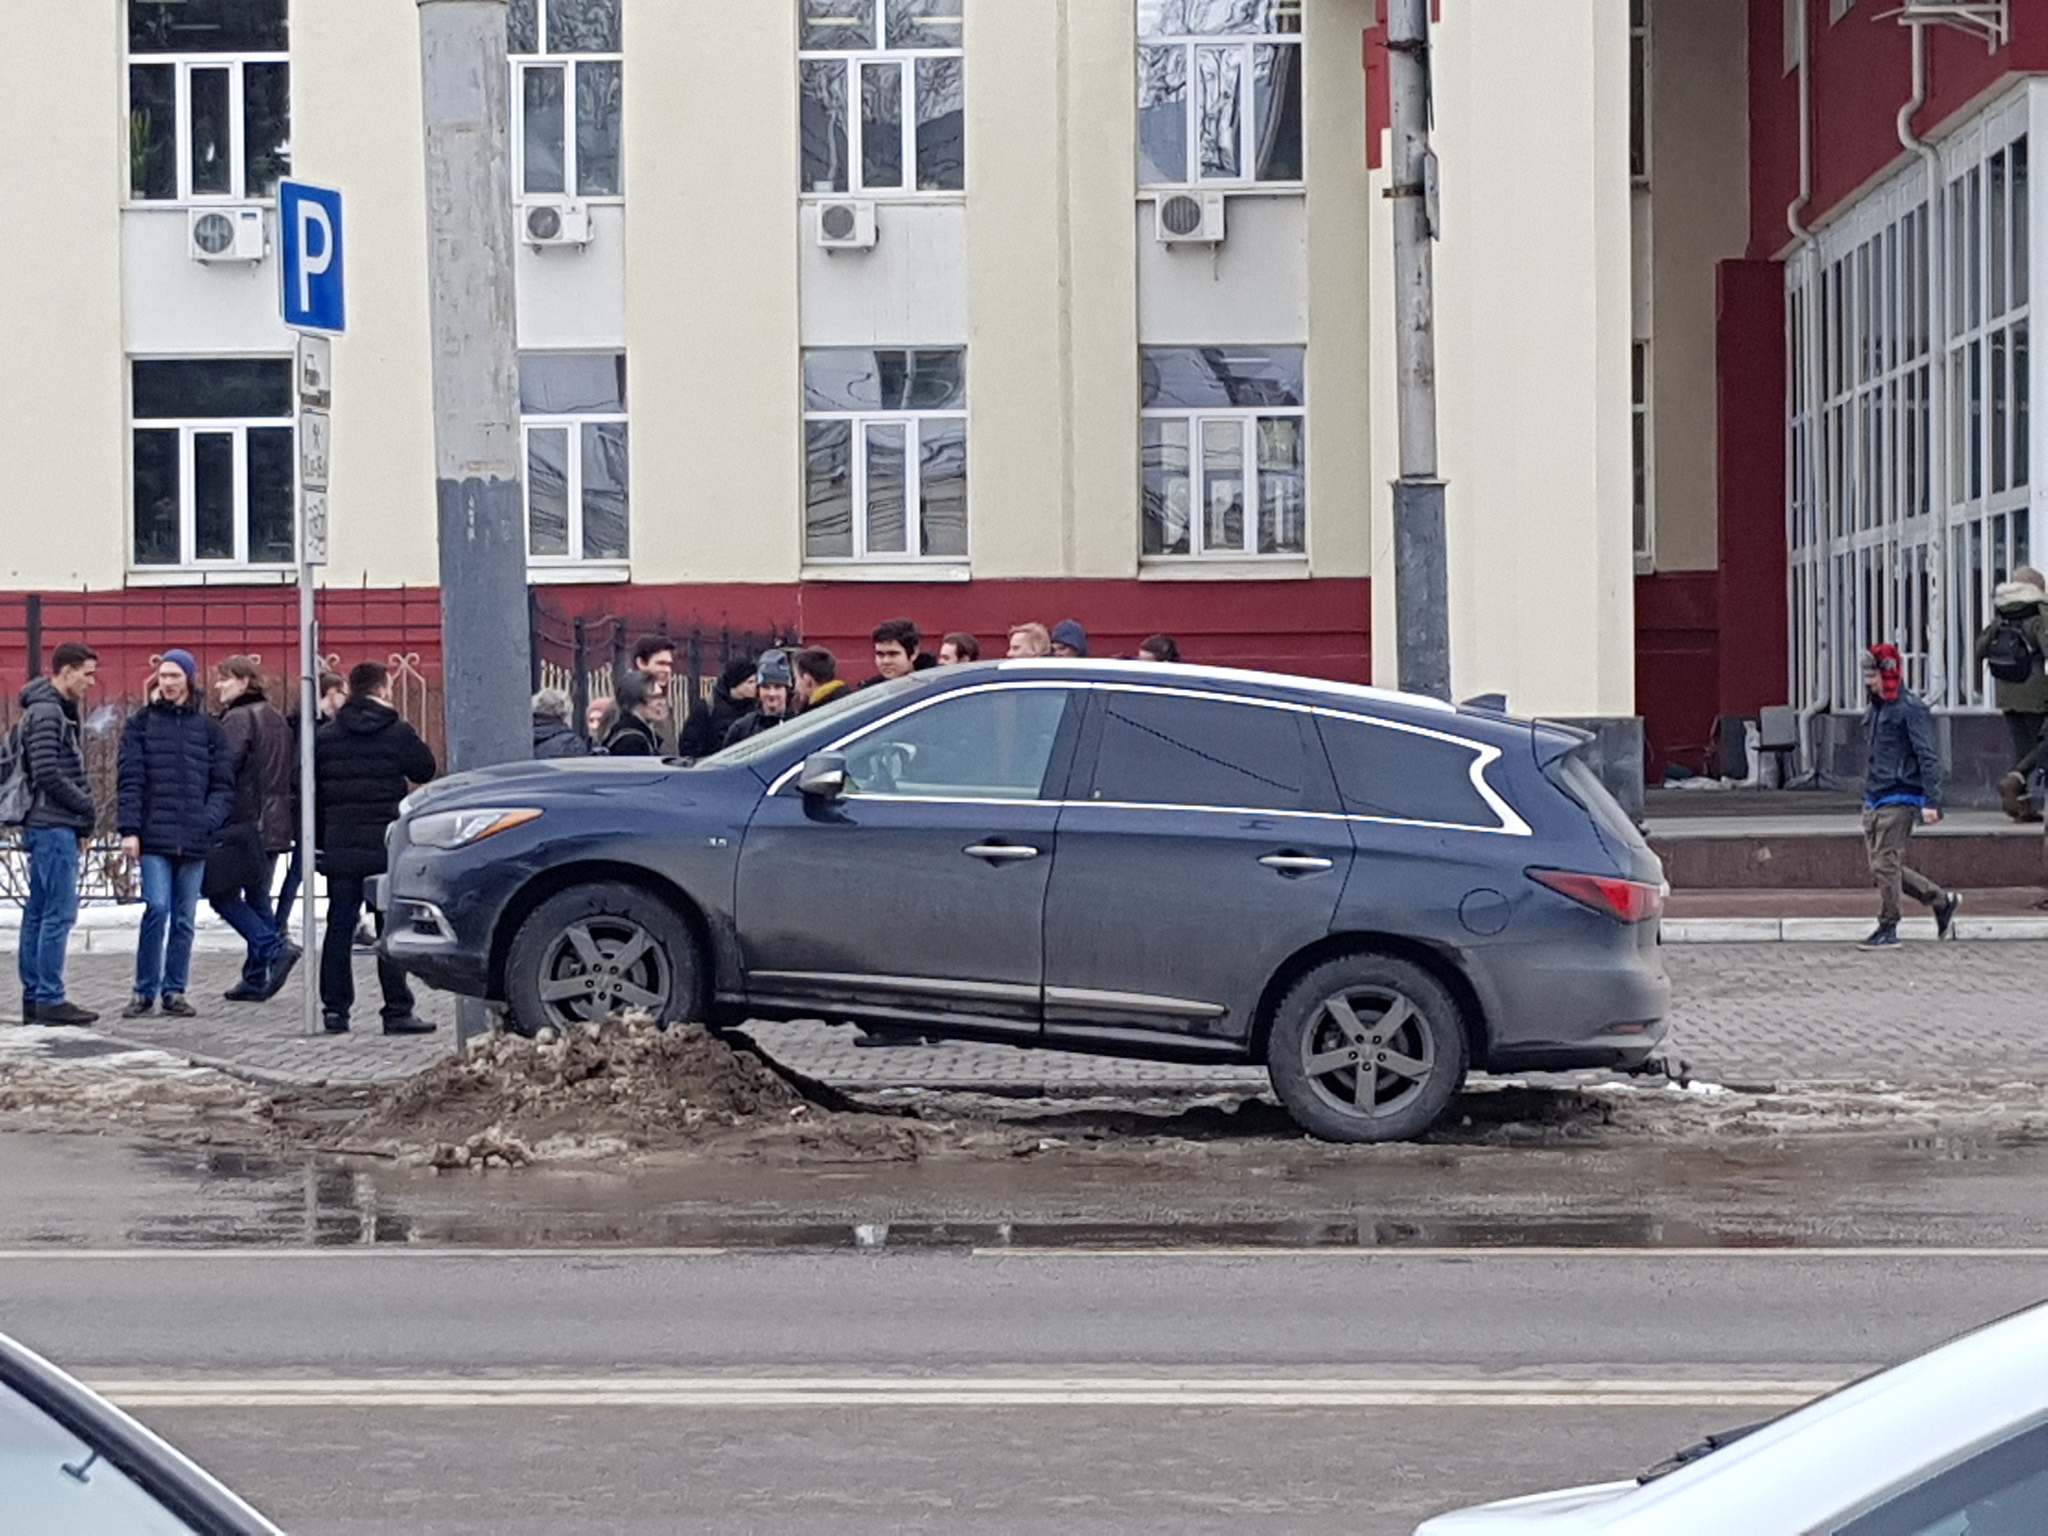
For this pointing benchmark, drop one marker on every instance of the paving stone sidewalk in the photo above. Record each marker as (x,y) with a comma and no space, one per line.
(1745,1013)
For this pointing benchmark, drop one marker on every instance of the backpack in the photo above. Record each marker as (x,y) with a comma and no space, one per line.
(2012,653)
(17,794)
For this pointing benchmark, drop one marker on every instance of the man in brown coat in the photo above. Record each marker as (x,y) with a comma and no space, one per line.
(263,755)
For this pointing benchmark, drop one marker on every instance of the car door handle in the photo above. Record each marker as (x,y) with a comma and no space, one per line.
(1297,863)
(1000,852)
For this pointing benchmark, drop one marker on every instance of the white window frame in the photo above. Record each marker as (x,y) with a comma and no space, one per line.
(573,426)
(1243,45)
(913,485)
(853,63)
(567,63)
(238,128)
(188,429)
(1247,419)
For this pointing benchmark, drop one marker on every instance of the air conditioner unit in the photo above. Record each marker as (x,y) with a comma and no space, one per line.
(226,234)
(846,226)
(1189,218)
(557,222)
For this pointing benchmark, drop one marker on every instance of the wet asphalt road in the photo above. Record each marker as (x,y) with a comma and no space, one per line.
(440,1392)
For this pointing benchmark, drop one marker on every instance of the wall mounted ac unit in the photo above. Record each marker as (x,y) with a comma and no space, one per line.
(1189,218)
(846,225)
(226,234)
(556,222)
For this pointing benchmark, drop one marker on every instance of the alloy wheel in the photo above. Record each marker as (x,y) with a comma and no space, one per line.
(1368,1052)
(600,964)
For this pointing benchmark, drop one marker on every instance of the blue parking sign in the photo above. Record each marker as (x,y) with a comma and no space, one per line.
(309,234)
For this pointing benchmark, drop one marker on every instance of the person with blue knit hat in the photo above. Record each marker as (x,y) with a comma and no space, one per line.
(177,788)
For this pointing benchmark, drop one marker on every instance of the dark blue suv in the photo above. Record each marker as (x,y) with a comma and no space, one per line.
(1368,892)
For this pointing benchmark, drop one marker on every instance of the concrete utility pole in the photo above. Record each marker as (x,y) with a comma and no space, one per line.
(484,630)
(1421,561)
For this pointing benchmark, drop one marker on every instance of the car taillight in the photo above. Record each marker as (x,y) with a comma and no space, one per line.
(1626,901)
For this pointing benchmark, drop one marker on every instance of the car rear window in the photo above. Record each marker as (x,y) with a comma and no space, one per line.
(1578,778)
(1403,775)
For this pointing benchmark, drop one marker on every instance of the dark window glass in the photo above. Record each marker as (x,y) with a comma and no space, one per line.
(1998,1490)
(1206,377)
(600,108)
(522,27)
(207,26)
(881,125)
(941,125)
(153,130)
(991,744)
(213,165)
(1161,750)
(569,383)
(1276,108)
(604,490)
(1172,18)
(212,387)
(1398,774)
(923,23)
(1283,487)
(547,491)
(942,487)
(266,127)
(156,496)
(836,24)
(543,120)
(1169,486)
(822,126)
(213,495)
(828,490)
(583,26)
(273,463)
(856,379)
(1162,116)
(886,473)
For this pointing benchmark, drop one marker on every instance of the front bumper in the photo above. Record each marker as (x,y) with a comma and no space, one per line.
(440,913)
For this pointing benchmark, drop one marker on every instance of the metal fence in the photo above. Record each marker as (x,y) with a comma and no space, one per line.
(583,653)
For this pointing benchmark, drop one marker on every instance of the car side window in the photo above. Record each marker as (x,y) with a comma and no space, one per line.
(986,744)
(1999,1491)
(1402,775)
(1159,749)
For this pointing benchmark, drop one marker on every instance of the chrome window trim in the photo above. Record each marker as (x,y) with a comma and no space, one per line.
(1484,754)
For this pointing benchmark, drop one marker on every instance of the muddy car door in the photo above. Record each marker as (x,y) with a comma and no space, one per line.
(918,895)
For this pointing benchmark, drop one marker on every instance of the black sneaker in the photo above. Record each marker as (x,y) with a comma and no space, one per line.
(175,1005)
(334,1023)
(1885,936)
(242,992)
(65,1014)
(1945,915)
(409,1024)
(882,1040)
(139,1007)
(28,1011)
(281,971)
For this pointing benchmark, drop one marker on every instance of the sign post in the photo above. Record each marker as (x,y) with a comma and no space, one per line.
(313,304)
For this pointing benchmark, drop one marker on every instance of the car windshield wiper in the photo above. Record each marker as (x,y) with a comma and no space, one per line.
(1706,1447)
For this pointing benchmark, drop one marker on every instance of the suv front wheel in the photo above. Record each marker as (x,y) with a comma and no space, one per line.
(1367,1048)
(595,950)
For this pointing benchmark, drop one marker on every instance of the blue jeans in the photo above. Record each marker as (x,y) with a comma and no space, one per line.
(170,901)
(248,913)
(51,910)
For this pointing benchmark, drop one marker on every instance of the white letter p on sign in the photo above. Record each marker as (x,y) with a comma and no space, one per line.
(311,264)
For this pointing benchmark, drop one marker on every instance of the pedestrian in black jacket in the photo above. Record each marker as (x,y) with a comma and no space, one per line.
(363,761)
(263,753)
(176,792)
(1901,789)
(642,708)
(732,696)
(774,684)
(58,825)
(553,735)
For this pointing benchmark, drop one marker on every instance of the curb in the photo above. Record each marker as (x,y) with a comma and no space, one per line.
(1842,930)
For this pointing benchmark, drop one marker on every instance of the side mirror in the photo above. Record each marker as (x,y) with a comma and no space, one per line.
(823,776)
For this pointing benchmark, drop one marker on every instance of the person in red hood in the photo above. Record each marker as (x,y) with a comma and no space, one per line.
(1902,784)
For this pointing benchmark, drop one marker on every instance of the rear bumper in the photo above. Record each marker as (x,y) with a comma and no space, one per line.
(1595,998)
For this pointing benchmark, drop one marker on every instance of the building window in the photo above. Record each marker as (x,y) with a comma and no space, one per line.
(901,61)
(1223,441)
(885,443)
(1219,92)
(572,412)
(1639,91)
(1641,444)
(209,99)
(568,83)
(216,462)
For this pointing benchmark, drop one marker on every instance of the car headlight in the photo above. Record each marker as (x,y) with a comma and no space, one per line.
(457,829)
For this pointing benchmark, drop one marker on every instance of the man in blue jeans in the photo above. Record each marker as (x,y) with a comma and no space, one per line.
(176,791)
(59,823)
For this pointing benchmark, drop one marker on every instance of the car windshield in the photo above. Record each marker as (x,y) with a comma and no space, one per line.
(807,731)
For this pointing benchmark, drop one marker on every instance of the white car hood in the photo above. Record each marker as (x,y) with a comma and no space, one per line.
(1549,1513)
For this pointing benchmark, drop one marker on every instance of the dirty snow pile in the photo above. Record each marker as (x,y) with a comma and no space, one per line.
(82,1083)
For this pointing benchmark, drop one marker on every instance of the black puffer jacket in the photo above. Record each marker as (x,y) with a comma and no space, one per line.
(710,719)
(176,783)
(363,761)
(263,749)
(557,738)
(750,725)
(56,759)
(633,737)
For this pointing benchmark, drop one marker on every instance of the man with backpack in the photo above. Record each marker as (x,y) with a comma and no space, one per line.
(57,814)
(2011,649)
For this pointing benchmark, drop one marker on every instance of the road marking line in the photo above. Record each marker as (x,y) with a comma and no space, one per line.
(365,1251)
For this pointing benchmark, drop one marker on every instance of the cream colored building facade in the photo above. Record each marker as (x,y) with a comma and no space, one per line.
(1042,271)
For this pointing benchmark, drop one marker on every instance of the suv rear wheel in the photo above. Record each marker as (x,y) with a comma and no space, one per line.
(1367,1048)
(595,950)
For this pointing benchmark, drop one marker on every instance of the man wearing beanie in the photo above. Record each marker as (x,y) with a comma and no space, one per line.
(177,788)
(710,719)
(1901,789)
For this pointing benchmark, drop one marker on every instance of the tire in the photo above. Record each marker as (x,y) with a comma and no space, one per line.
(592,950)
(1340,1011)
